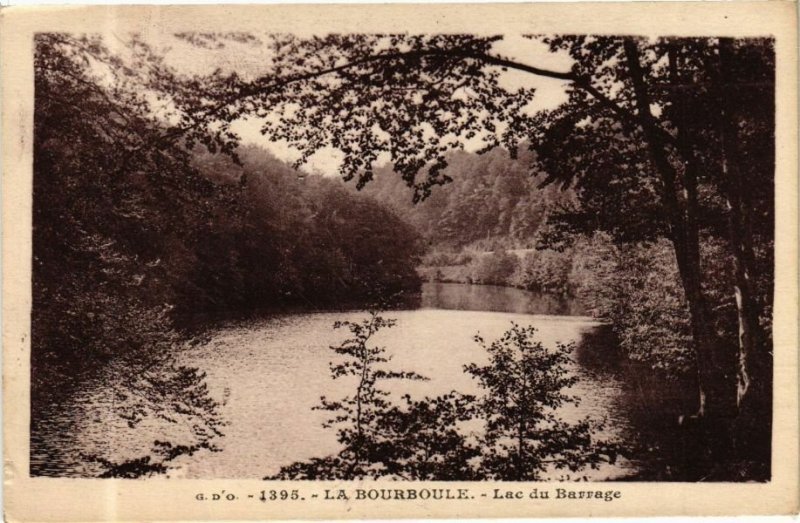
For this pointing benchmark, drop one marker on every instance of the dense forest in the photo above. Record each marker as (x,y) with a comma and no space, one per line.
(495,224)
(492,201)
(131,240)
(634,197)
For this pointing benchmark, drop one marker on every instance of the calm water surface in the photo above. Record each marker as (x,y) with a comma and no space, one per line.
(270,373)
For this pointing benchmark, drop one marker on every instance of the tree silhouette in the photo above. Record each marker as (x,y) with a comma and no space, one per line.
(525,385)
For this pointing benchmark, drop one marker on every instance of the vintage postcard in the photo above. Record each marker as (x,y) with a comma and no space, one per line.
(399,261)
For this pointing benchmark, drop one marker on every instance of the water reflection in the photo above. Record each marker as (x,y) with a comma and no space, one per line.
(267,374)
(598,349)
(466,297)
(650,405)
(129,419)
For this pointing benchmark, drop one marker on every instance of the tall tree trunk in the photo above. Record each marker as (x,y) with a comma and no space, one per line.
(753,369)
(692,232)
(716,392)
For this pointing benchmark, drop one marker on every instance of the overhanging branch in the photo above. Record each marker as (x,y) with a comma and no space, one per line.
(260,88)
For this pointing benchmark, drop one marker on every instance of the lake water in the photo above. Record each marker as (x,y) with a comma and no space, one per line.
(269,373)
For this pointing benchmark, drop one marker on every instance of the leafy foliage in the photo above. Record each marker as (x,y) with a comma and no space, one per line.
(429,438)
(525,385)
(383,94)
(416,441)
(637,288)
(359,413)
(652,139)
(110,218)
(299,241)
(494,268)
(492,201)
(545,270)
(426,439)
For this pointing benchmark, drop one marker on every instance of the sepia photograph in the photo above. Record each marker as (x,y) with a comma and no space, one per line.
(546,258)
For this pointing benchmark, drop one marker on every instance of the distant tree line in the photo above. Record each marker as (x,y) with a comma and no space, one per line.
(492,202)
(297,240)
(633,285)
